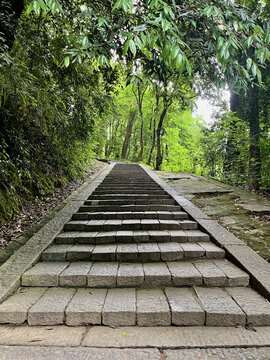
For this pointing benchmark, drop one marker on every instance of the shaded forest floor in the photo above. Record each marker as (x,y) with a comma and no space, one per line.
(245,214)
(29,220)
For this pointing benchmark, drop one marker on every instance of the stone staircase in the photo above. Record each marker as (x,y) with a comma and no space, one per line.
(132,256)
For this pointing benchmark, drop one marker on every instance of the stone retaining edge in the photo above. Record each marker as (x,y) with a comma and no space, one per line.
(27,255)
(237,251)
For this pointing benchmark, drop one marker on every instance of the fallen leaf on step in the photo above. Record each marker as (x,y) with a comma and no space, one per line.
(36,339)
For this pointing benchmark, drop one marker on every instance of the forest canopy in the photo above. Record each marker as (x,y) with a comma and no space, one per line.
(119,79)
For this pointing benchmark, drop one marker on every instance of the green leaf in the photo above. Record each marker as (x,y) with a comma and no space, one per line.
(249,63)
(67,61)
(85,41)
(254,69)
(138,42)
(126,47)
(141,27)
(101,21)
(175,52)
(132,47)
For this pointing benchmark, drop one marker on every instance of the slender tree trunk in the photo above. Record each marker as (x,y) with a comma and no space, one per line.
(132,115)
(140,158)
(159,151)
(254,174)
(153,142)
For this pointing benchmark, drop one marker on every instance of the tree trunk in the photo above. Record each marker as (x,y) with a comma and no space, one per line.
(159,153)
(153,142)
(140,158)
(130,123)
(254,173)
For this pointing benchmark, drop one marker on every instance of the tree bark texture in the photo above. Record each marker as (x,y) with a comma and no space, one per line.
(131,118)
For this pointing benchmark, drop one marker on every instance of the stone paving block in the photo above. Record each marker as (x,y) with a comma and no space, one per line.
(179,215)
(152,308)
(149,251)
(148,224)
(212,251)
(137,215)
(196,235)
(130,274)
(86,237)
(141,236)
(218,354)
(107,237)
(14,309)
(56,252)
(49,309)
(253,304)
(86,307)
(193,251)
(185,309)
(169,225)
(184,273)
(178,236)
(159,235)
(123,215)
(150,215)
(75,225)
(96,225)
(188,225)
(109,215)
(221,309)
(170,251)
(126,252)
(235,276)
(68,237)
(102,274)
(80,252)
(212,275)
(131,224)
(104,252)
(44,274)
(111,225)
(75,274)
(120,307)
(156,274)
(124,236)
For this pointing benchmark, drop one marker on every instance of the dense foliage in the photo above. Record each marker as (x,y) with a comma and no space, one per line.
(80,79)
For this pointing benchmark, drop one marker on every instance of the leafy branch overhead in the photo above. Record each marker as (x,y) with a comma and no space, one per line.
(196,36)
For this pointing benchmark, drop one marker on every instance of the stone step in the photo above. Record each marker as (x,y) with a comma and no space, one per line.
(109,237)
(130,190)
(130,274)
(132,306)
(123,195)
(139,201)
(161,215)
(137,208)
(169,251)
(129,224)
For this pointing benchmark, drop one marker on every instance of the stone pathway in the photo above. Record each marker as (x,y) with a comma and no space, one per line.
(132,256)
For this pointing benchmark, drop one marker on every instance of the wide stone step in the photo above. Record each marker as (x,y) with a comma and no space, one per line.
(136,208)
(180,236)
(139,201)
(126,190)
(169,251)
(132,306)
(124,195)
(129,224)
(149,274)
(161,215)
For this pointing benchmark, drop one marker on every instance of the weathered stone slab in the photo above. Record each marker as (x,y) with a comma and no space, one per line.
(156,274)
(178,236)
(104,252)
(152,308)
(221,309)
(14,309)
(75,274)
(68,237)
(170,251)
(120,307)
(148,251)
(56,252)
(193,251)
(212,251)
(218,354)
(255,265)
(141,236)
(49,309)
(124,236)
(212,275)
(86,307)
(188,225)
(44,274)
(156,235)
(184,273)
(107,237)
(254,305)
(126,252)
(111,225)
(130,274)
(196,235)
(80,252)
(148,224)
(86,237)
(102,274)
(235,276)
(170,224)
(131,224)
(95,225)
(184,307)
